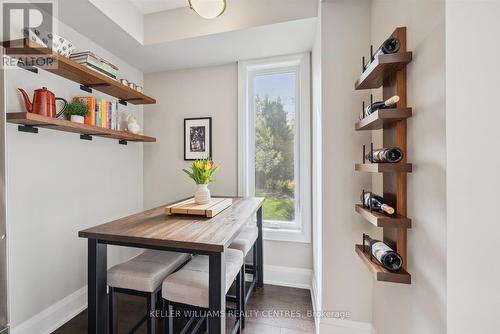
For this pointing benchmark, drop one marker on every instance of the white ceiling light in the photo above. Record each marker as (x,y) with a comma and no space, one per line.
(208,9)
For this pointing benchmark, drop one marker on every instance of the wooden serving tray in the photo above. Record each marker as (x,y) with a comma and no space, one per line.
(189,207)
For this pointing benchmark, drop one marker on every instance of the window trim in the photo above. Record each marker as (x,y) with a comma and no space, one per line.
(300,63)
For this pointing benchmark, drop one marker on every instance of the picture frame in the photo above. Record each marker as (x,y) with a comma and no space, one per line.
(197,138)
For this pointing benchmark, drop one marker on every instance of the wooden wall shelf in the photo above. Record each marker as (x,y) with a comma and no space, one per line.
(379,272)
(384,168)
(382,117)
(382,220)
(39,121)
(382,67)
(73,71)
(389,71)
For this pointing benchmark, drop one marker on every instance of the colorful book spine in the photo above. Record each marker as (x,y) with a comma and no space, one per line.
(103,113)
(91,120)
(117,116)
(108,115)
(98,115)
(113,116)
(90,102)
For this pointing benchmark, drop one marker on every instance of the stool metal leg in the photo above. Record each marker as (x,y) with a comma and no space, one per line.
(243,296)
(113,314)
(239,299)
(168,321)
(166,316)
(151,307)
(256,266)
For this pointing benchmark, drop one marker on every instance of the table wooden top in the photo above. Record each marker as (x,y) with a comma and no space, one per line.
(154,228)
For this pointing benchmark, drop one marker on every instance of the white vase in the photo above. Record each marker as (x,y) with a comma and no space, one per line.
(77,119)
(202,194)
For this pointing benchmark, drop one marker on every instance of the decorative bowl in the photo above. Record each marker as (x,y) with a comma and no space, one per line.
(56,43)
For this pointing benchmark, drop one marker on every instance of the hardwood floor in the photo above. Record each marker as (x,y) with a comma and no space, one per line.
(272,310)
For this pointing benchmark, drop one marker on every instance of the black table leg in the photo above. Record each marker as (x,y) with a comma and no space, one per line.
(97,266)
(260,251)
(217,294)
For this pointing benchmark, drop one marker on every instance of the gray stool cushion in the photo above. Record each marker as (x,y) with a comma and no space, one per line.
(245,240)
(146,271)
(190,284)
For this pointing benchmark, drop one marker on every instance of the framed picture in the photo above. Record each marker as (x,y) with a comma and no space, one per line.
(197,138)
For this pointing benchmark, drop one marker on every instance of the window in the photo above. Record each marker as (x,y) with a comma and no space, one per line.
(274,143)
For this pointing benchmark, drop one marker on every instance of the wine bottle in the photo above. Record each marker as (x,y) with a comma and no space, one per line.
(390,45)
(387,257)
(376,203)
(381,105)
(390,154)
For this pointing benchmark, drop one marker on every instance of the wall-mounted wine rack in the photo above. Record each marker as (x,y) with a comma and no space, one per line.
(389,72)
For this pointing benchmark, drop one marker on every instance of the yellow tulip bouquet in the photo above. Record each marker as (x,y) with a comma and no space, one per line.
(202,171)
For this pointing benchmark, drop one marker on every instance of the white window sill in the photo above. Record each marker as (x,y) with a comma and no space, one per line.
(273,234)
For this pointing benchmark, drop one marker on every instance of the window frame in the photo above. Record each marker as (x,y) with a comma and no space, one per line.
(247,71)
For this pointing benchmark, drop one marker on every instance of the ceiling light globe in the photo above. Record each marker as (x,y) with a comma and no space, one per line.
(208,9)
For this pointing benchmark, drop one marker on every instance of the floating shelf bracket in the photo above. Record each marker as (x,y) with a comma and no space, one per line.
(27,68)
(122,142)
(27,128)
(86,89)
(85,137)
(123,102)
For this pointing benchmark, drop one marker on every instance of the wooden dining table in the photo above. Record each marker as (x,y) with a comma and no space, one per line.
(153,229)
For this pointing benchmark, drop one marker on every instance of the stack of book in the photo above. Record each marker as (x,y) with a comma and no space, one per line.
(96,63)
(102,113)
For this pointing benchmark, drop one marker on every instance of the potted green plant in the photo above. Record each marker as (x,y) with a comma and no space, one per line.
(77,111)
(201,173)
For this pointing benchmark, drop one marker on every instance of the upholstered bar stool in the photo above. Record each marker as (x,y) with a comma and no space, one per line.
(188,288)
(141,276)
(245,241)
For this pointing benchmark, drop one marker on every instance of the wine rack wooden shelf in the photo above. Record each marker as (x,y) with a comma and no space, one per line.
(388,71)
(384,168)
(382,67)
(73,71)
(34,121)
(382,220)
(382,117)
(379,272)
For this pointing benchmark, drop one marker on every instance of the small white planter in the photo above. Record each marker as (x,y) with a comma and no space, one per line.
(77,119)
(202,194)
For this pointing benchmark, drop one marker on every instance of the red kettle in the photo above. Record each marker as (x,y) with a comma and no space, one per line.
(44,102)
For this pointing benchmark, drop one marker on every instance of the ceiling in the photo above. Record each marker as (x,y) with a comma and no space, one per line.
(153,6)
(219,48)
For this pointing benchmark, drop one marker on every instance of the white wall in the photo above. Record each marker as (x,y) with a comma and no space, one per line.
(200,92)
(472,128)
(347,284)
(125,15)
(419,307)
(205,92)
(57,185)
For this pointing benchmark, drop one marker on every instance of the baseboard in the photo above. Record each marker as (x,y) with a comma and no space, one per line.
(288,276)
(54,316)
(342,326)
